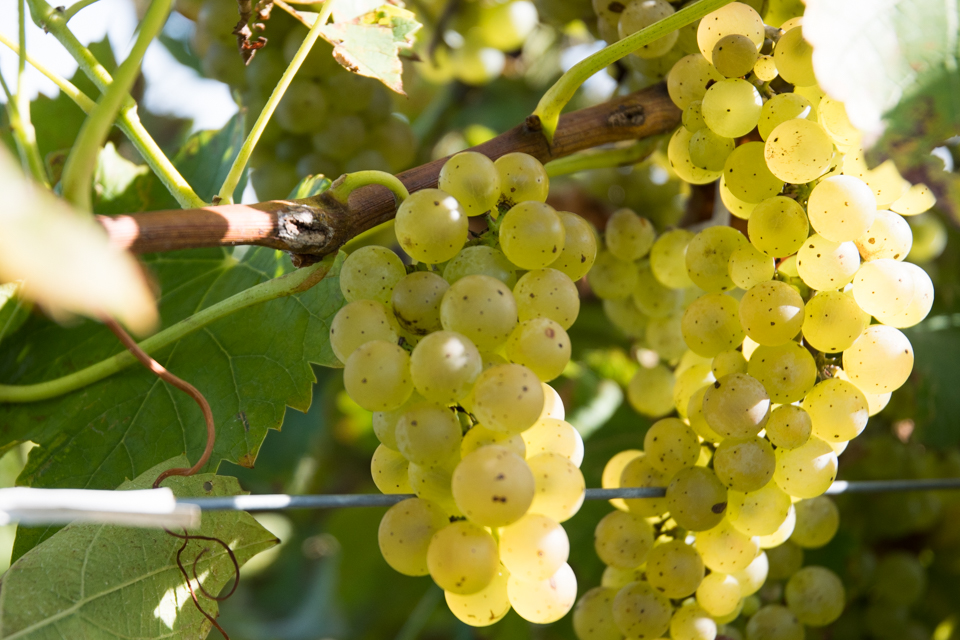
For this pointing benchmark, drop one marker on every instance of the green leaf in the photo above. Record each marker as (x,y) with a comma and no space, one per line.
(310,186)
(14,310)
(114,176)
(370,45)
(104,581)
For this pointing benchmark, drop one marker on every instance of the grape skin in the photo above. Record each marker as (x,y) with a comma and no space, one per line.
(358,323)
(405,533)
(544,601)
(485,607)
(430,226)
(560,487)
(534,547)
(697,499)
(462,558)
(815,596)
(371,273)
(640,611)
(531,235)
(674,568)
(473,179)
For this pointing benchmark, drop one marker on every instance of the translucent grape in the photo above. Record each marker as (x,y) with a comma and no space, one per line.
(885,181)
(731,107)
(611,277)
(430,226)
(358,323)
(787,371)
(818,520)
(642,612)
(547,293)
(692,380)
(405,532)
(610,479)
(652,297)
(785,560)
(479,436)
(712,324)
(709,150)
(883,287)
(697,499)
(778,226)
(919,306)
(428,434)
(789,426)
(916,200)
(616,578)
(798,151)
(678,153)
(482,309)
(593,615)
(754,576)
(623,539)
(624,315)
(727,362)
(638,14)
(766,69)
(837,410)
(719,594)
(444,366)
(493,486)
(473,180)
(531,235)
(674,568)
(522,178)
(480,260)
(690,622)
(826,265)
(541,345)
(832,321)
(629,236)
(371,273)
(552,403)
(930,238)
(746,174)
(725,549)
(433,484)
(693,117)
(889,236)
(774,622)
(388,468)
(377,376)
(579,246)
(485,607)
(808,470)
(689,78)
(744,464)
(880,360)
(559,486)
(708,257)
(639,472)
(736,406)
(650,391)
(534,547)
(841,208)
(739,208)
(734,18)
(783,532)
(670,445)
(544,601)
(462,558)
(416,302)
(793,56)
(665,336)
(734,55)
(815,596)
(781,108)
(668,258)
(772,313)
(507,397)
(552,435)
(832,115)
(749,267)
(760,512)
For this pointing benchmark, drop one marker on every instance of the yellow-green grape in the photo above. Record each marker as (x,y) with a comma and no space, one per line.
(480,260)
(731,107)
(610,479)
(405,532)
(774,622)
(640,473)
(541,345)
(629,236)
(612,277)
(754,576)
(812,92)
(818,520)
(416,302)
(725,549)
(371,273)
(579,246)
(507,397)
(734,18)
(678,153)
(385,422)
(832,115)
(444,366)
(739,208)
(552,403)
(534,547)
(788,267)
(473,180)
(832,321)
(653,298)
(689,78)
(358,323)
(736,406)
(889,236)
(915,201)
(493,486)
(837,410)
(798,151)
(808,470)
(826,265)
(553,435)
(639,14)
(433,484)
(462,558)
(689,382)
(531,235)
(670,445)
(734,55)
(593,615)
(789,427)
(760,512)
(794,58)
(641,612)
(428,434)
(744,464)
(697,499)
(727,362)
(506,26)
(778,226)
(772,313)
(785,560)
(665,336)
(560,487)
(485,607)
(883,287)
(841,208)
(931,238)
(547,293)
(712,324)
(696,419)
(674,568)
(623,539)
(885,181)
(482,309)
(708,257)
(749,267)
(733,615)
(781,108)
(624,315)
(746,174)
(719,594)
(786,371)
(880,360)
(690,622)
(783,532)
(766,68)
(616,578)
(708,150)
(815,595)
(693,117)
(650,391)
(522,178)
(388,468)
(377,376)
(544,601)
(668,259)
(479,436)
(430,226)
(921,304)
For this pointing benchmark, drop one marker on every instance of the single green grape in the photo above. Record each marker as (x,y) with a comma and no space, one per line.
(832,321)
(640,611)
(628,236)
(815,595)
(653,298)
(880,360)
(405,532)
(711,324)
(727,362)
(416,302)
(746,174)
(534,547)
(841,208)
(639,14)
(508,398)
(480,260)
(389,470)
(789,426)
(818,520)
(754,576)
(639,472)
(731,107)
(771,313)
(794,58)
(884,287)
(593,615)
(736,406)
(724,549)
(678,153)
(430,226)
(774,622)
(547,293)
(690,621)
(482,309)
(697,499)
(734,18)
(808,470)
(428,434)
(670,445)
(744,465)
(531,235)
(560,487)
(674,568)
(522,179)
(462,558)
(689,78)
(493,486)
(708,257)
(650,391)
(377,376)
(888,237)
(709,150)
(371,273)
(734,55)
(826,265)
(479,436)
(781,108)
(921,304)
(579,246)
(544,601)
(541,345)
(838,410)
(473,180)
(485,607)
(719,594)
(610,479)
(668,258)
(303,108)
(693,116)
(358,323)
(759,512)
(444,366)
(612,277)
(554,435)
(778,226)
(750,267)
(798,151)
(786,371)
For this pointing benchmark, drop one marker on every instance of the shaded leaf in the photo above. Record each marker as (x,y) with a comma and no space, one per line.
(106,581)
(310,186)
(14,310)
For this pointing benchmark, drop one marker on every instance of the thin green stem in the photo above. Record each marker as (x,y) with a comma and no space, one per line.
(563,90)
(601,158)
(68,88)
(81,164)
(76,8)
(289,284)
(366,237)
(240,162)
(348,182)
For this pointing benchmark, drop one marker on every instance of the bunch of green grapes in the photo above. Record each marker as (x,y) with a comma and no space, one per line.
(329,122)
(452,354)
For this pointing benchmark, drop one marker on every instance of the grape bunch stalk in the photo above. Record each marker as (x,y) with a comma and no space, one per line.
(453,355)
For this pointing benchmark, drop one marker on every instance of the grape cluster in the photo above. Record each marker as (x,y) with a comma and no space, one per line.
(775,347)
(452,354)
(330,121)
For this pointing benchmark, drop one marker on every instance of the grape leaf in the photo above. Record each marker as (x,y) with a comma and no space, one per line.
(370,44)
(104,581)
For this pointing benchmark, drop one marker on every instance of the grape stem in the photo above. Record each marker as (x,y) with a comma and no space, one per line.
(343,186)
(602,158)
(563,90)
(68,88)
(76,8)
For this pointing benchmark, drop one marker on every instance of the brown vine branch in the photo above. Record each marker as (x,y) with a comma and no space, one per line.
(319,225)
